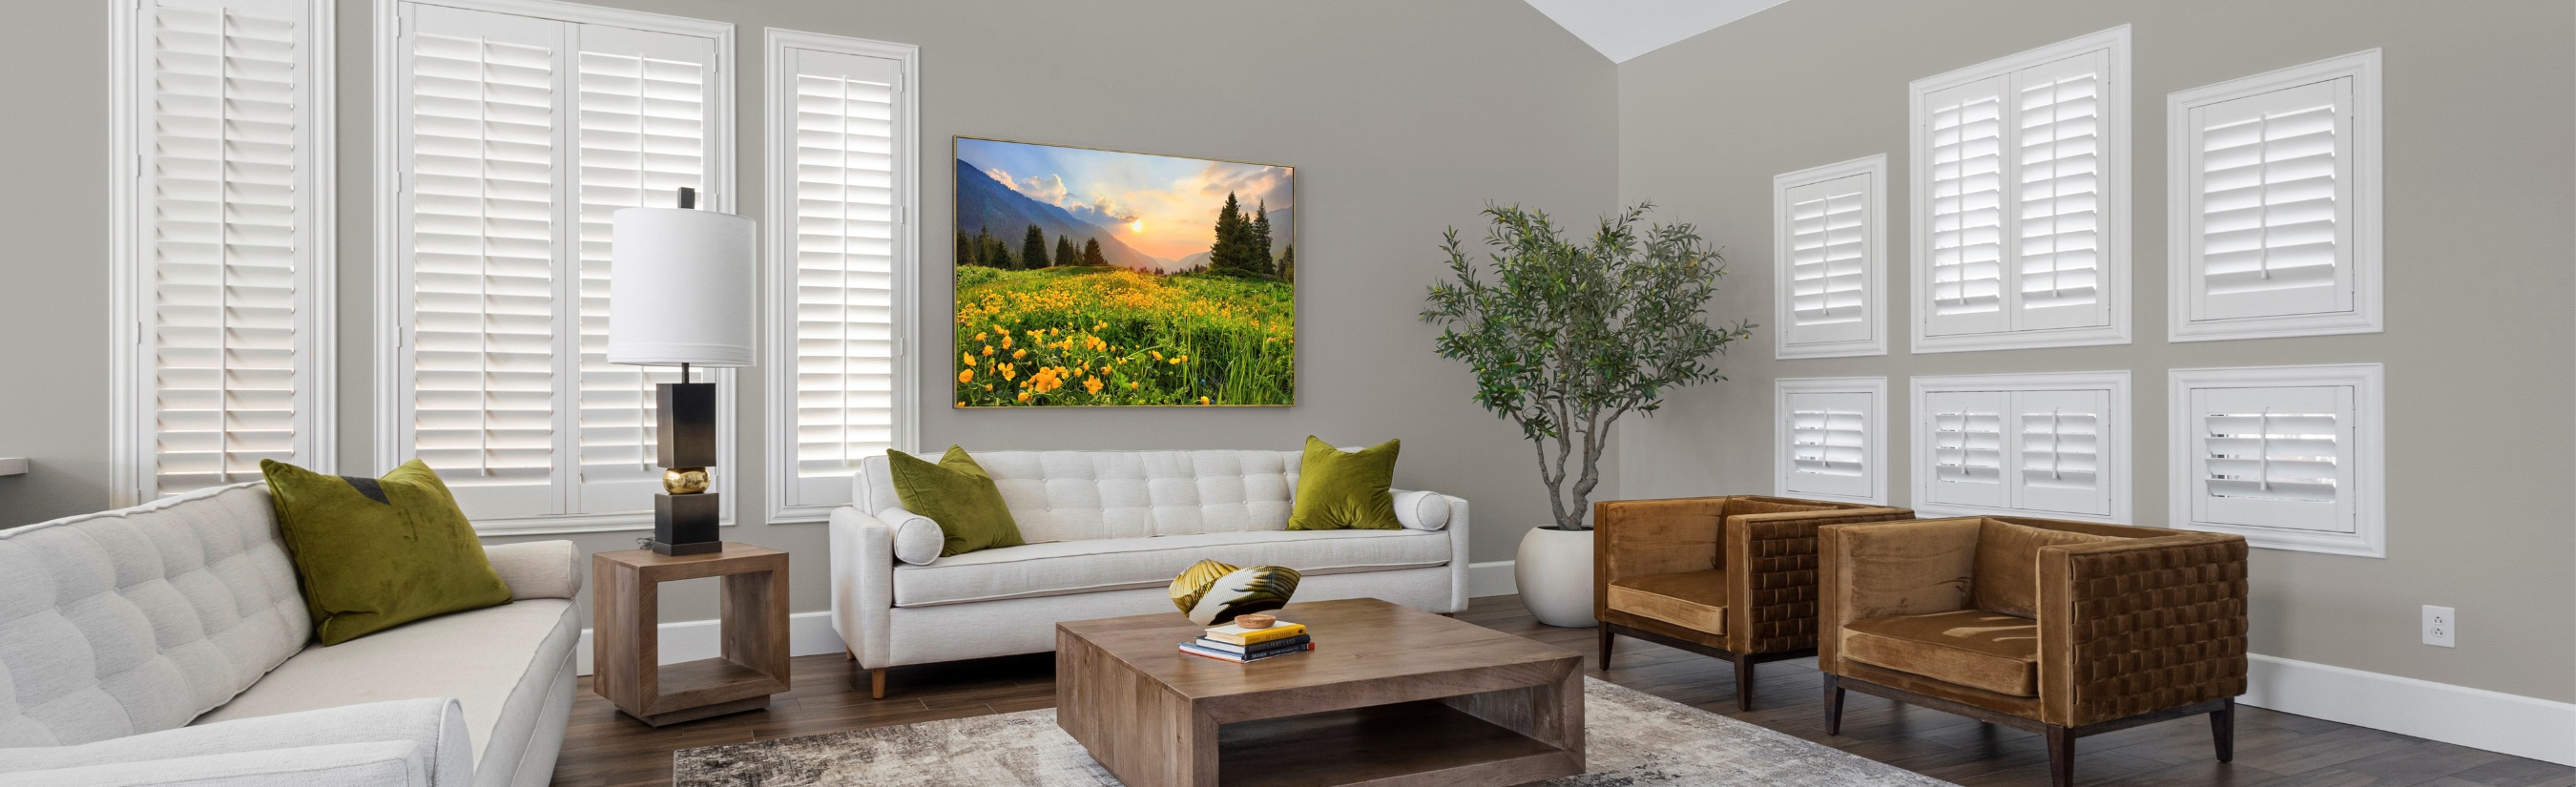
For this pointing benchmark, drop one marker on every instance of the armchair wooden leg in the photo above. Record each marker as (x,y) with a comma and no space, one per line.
(2061,756)
(1606,638)
(2222,730)
(1743,682)
(876,683)
(1833,704)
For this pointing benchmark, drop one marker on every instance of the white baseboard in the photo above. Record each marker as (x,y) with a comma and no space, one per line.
(808,634)
(1491,579)
(2476,718)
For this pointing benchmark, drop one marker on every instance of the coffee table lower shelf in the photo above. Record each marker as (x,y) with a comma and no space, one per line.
(1423,742)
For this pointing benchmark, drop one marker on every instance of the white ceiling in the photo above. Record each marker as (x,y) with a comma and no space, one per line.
(1623,29)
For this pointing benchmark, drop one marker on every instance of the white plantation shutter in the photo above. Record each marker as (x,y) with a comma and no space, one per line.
(1967,207)
(2057,170)
(1829,437)
(2274,457)
(642,108)
(844,258)
(1968,451)
(2057,464)
(1830,258)
(225,241)
(2043,444)
(518,137)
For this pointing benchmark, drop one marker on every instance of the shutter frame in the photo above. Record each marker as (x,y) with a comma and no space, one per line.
(1868,334)
(2351,521)
(1860,437)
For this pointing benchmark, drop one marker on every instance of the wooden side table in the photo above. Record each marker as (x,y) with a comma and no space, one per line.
(625,643)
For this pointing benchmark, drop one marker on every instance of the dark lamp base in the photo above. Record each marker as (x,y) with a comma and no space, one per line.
(700,548)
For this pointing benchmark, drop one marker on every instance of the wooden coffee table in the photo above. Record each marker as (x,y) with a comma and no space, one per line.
(1390,696)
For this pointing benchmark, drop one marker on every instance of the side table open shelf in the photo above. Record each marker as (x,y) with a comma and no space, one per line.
(626,663)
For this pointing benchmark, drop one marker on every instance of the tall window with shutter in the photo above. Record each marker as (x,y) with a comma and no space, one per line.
(222,242)
(2274,197)
(2288,456)
(1829,239)
(1830,438)
(513,138)
(2020,200)
(2036,444)
(843,263)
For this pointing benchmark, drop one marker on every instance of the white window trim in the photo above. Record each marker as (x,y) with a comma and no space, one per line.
(2114,452)
(2370,428)
(779,259)
(392,218)
(2115,198)
(131,455)
(1783,299)
(2365,152)
(1874,433)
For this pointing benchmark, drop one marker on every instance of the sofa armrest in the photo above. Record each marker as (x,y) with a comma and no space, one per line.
(2139,625)
(537,569)
(863,566)
(1878,569)
(1771,575)
(1418,510)
(917,539)
(420,742)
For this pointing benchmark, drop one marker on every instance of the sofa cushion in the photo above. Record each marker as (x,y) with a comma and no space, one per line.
(375,553)
(1074,495)
(1345,490)
(1973,648)
(137,620)
(1694,600)
(1067,567)
(957,494)
(501,663)
(2006,579)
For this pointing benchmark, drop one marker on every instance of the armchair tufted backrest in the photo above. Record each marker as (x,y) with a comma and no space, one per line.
(138,620)
(1081,495)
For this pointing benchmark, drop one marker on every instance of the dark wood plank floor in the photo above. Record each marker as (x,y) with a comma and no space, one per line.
(604,748)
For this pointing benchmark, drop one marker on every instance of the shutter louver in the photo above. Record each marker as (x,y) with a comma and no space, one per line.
(844,258)
(2271,184)
(641,138)
(1970,448)
(230,371)
(2057,455)
(1967,189)
(1828,255)
(1828,442)
(2058,165)
(484,307)
(2271,456)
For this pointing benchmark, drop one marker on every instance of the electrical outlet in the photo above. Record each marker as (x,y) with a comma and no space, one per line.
(2441,626)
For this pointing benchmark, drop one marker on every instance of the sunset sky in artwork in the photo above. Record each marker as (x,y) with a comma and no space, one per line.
(1161,205)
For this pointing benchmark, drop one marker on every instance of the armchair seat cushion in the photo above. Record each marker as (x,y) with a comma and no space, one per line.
(1695,600)
(1973,648)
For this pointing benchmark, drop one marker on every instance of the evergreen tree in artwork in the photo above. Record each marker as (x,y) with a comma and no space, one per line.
(1065,255)
(991,251)
(1259,241)
(1288,263)
(965,250)
(1231,251)
(1091,252)
(1033,248)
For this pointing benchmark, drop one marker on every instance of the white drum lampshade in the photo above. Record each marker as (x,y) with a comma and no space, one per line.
(680,288)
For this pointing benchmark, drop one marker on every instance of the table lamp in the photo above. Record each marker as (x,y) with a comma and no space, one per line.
(680,294)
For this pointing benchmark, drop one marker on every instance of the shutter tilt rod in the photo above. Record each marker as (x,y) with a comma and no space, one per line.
(2263,451)
(2054,419)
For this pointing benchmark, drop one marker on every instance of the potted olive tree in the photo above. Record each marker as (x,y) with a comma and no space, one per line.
(1565,339)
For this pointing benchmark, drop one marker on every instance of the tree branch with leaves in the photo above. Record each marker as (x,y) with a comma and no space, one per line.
(1569,337)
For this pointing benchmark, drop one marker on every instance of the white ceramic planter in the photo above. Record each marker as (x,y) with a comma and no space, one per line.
(1554,570)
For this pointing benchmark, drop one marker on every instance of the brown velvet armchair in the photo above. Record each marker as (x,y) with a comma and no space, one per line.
(2066,629)
(1730,577)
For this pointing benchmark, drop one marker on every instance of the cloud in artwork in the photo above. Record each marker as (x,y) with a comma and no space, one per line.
(1051,190)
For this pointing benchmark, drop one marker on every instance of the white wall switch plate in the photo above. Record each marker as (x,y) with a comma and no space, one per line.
(2441,627)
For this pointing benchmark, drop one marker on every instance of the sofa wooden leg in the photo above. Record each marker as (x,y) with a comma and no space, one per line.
(1834,704)
(1743,683)
(2222,730)
(2061,756)
(876,683)
(1606,639)
(849,654)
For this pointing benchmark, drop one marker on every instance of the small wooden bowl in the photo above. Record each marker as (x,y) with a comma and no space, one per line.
(1255,621)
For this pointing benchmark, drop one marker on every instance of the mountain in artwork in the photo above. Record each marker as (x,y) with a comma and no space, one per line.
(984,203)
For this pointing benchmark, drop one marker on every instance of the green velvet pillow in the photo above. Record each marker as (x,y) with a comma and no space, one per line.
(1345,491)
(375,553)
(958,495)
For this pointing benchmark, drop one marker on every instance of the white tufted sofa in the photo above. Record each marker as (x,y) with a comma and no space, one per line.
(168,644)
(1107,531)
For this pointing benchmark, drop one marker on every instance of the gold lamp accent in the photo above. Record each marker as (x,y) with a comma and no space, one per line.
(684,480)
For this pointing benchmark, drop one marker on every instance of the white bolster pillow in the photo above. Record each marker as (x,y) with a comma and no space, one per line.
(917,539)
(1418,510)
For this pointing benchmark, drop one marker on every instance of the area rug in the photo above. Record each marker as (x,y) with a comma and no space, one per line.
(1631,738)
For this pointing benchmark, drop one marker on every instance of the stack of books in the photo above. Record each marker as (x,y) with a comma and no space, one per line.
(1243,646)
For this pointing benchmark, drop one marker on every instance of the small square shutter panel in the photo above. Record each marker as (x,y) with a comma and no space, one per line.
(485,107)
(1967,134)
(2274,457)
(222,226)
(1829,260)
(2273,182)
(1828,443)
(2057,231)
(2056,464)
(641,107)
(845,245)
(1967,433)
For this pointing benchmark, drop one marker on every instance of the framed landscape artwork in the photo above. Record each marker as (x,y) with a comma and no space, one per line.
(1103,278)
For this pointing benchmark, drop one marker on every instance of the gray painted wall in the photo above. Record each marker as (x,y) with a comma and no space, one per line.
(2479,127)
(1402,118)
